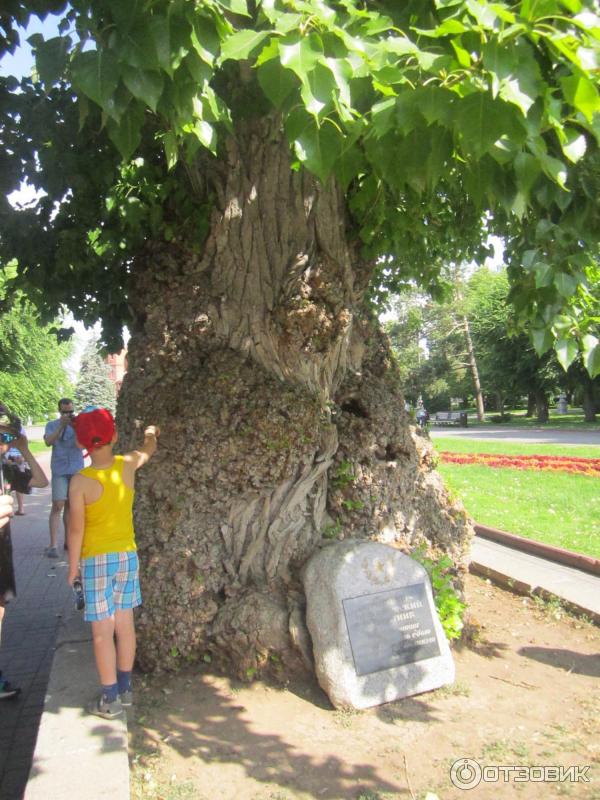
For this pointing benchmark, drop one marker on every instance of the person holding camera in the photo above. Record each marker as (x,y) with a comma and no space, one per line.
(66,461)
(11,437)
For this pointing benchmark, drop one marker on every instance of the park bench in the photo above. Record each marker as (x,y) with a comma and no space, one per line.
(458,418)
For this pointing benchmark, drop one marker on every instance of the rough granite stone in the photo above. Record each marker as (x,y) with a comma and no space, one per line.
(375,630)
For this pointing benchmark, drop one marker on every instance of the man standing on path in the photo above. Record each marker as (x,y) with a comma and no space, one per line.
(67,460)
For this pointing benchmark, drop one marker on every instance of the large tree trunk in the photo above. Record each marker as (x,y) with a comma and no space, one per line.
(589,406)
(264,378)
(541,406)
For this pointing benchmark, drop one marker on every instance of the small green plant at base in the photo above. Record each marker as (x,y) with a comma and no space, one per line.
(457,689)
(146,787)
(353,505)
(332,531)
(345,716)
(449,606)
(343,476)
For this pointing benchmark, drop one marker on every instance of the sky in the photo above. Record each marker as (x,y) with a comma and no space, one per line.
(21,63)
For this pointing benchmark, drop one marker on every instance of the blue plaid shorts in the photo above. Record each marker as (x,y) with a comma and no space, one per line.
(110,582)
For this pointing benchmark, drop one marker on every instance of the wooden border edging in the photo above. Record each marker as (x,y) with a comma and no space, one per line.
(548,551)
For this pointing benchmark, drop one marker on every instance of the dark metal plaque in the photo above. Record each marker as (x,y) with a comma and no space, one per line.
(389,629)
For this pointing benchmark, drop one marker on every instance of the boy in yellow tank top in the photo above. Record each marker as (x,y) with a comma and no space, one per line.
(102,552)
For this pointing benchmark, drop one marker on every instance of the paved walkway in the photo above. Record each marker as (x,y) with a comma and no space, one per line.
(528,573)
(501,433)
(50,749)
(29,632)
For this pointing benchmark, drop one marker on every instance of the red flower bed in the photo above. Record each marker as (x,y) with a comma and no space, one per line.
(584,466)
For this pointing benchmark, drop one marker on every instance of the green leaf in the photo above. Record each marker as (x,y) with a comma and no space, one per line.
(383,115)
(171,149)
(482,121)
(236,6)
(127,133)
(447,27)
(566,351)
(341,70)
(318,149)
(435,104)
(515,73)
(126,15)
(591,355)
(204,38)
(566,284)
(276,83)
(574,146)
(206,135)
(554,168)
(145,86)
(160,38)
(51,59)
(542,340)
(544,275)
(301,56)
(582,94)
(96,74)
(527,170)
(462,54)
(241,44)
(317,90)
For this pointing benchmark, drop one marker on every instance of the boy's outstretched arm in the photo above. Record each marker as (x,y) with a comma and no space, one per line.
(76,525)
(137,458)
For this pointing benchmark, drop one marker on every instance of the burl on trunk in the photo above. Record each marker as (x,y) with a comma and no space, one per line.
(282,421)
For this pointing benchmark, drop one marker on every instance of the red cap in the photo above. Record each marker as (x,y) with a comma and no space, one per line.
(94,429)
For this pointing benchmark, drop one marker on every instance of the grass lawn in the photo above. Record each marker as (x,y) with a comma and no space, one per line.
(553,507)
(37,447)
(573,419)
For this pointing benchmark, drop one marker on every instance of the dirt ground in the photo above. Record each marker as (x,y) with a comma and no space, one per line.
(527,693)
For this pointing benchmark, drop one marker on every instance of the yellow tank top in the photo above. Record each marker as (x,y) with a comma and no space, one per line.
(109,521)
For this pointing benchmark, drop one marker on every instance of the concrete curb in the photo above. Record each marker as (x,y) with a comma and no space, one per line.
(529,573)
(557,554)
(76,753)
(530,589)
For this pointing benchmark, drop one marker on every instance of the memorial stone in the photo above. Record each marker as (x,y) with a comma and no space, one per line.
(375,630)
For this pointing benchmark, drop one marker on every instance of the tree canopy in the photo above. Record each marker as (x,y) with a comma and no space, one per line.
(441,121)
(32,376)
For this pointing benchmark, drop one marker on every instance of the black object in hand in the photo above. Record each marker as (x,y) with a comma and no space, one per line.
(78,594)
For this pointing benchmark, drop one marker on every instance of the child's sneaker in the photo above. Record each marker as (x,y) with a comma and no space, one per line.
(52,552)
(126,698)
(101,708)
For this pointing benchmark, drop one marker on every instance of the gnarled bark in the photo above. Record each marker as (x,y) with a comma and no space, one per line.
(254,360)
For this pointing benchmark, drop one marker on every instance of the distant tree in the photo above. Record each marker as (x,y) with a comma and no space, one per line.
(94,386)
(508,363)
(467,345)
(32,376)
(429,346)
